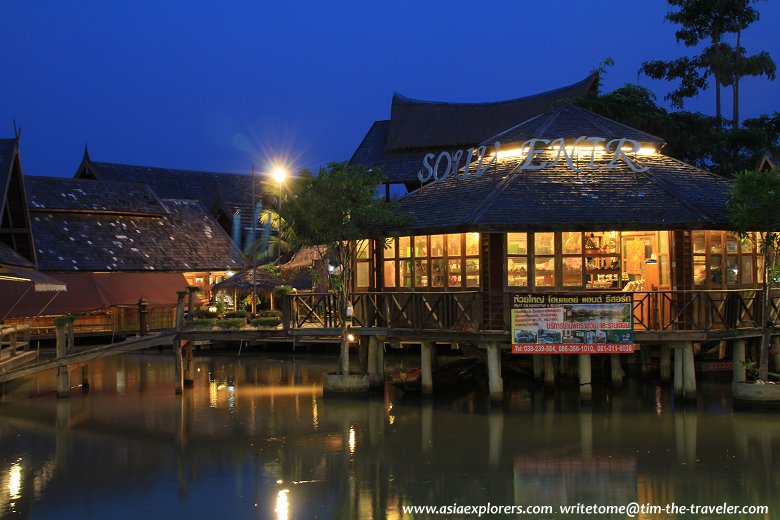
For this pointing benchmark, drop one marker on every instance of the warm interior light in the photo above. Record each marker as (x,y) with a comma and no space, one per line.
(229,274)
(279,174)
(646,151)
(351,338)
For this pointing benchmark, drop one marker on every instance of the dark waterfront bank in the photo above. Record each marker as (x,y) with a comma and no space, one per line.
(255,438)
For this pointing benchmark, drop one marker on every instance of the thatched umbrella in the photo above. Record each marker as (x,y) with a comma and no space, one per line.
(298,271)
(241,283)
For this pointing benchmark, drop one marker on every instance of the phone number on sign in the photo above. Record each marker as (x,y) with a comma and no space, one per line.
(597,348)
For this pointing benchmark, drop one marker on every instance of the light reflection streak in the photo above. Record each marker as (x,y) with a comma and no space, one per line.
(282,505)
(315,416)
(213,394)
(352,440)
(15,481)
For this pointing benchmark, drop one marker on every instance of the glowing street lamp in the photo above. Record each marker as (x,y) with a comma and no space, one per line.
(279,174)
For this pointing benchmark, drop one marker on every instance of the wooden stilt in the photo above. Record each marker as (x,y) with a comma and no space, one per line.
(63,378)
(616,370)
(178,368)
(425,366)
(85,379)
(774,361)
(586,391)
(538,367)
(689,372)
(738,360)
(188,362)
(646,360)
(495,382)
(549,369)
(666,363)
(678,371)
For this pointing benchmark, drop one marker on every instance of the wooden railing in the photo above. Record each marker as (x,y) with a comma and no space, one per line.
(474,311)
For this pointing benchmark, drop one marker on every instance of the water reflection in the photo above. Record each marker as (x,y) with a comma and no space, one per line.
(256,439)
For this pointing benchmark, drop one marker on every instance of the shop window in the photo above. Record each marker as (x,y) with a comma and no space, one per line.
(472,272)
(729,262)
(453,245)
(517,259)
(433,261)
(572,271)
(363,264)
(362,274)
(389,273)
(472,244)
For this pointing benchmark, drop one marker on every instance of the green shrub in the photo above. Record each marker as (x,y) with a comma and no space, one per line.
(59,321)
(267,313)
(231,323)
(202,322)
(282,290)
(207,314)
(266,321)
(236,314)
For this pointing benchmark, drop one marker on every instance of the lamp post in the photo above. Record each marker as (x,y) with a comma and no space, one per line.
(253,245)
(279,174)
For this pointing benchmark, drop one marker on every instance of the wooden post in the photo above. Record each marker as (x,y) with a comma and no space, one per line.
(177,345)
(549,369)
(70,337)
(142,327)
(376,373)
(775,360)
(85,379)
(188,362)
(362,354)
(738,360)
(678,372)
(63,379)
(538,367)
(425,367)
(191,301)
(689,372)
(495,382)
(646,360)
(666,362)
(12,342)
(617,370)
(586,390)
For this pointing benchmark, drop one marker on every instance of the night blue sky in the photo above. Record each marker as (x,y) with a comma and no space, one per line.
(225,85)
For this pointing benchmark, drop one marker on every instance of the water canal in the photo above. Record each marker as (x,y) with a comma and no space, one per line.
(255,438)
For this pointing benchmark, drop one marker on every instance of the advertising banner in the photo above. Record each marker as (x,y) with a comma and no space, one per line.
(573,324)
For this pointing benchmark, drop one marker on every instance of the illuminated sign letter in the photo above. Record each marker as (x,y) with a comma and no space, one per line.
(482,151)
(465,174)
(532,151)
(428,167)
(436,166)
(621,155)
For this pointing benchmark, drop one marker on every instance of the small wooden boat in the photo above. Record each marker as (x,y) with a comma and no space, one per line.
(448,376)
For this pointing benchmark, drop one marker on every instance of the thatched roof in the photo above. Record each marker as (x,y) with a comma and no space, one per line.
(264,280)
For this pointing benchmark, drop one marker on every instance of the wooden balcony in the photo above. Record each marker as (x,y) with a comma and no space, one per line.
(695,315)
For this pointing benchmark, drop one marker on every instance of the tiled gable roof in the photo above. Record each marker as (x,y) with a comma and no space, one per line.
(398,167)
(671,195)
(56,193)
(422,124)
(180,236)
(569,121)
(170,183)
(419,127)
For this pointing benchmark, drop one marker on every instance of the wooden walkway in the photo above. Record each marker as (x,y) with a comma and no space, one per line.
(129,345)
